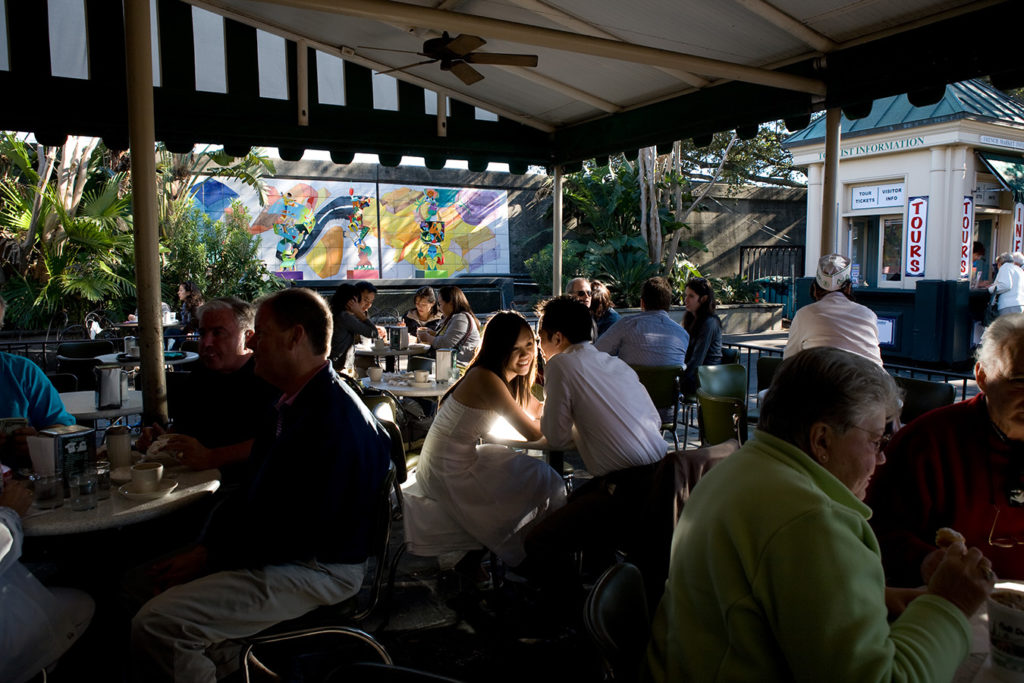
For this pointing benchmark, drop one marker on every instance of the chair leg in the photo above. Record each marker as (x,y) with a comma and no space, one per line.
(399,503)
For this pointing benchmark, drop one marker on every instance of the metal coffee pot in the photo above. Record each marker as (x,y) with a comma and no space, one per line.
(111,385)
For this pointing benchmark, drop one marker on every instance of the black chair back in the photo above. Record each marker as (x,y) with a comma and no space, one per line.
(617,620)
(766,367)
(921,396)
(63,382)
(79,358)
(730,355)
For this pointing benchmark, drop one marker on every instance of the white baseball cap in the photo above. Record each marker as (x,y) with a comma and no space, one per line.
(833,272)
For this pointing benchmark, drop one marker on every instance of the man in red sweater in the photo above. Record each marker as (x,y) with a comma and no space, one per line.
(961,466)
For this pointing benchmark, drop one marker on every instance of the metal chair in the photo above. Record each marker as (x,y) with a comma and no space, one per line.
(309,654)
(730,355)
(616,617)
(722,418)
(63,382)
(79,359)
(766,367)
(662,384)
(375,672)
(727,380)
(921,396)
(327,619)
(399,463)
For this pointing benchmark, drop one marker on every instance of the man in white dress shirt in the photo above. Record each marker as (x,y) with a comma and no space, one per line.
(651,337)
(834,319)
(597,402)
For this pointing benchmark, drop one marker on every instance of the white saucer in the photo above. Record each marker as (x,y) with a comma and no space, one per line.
(421,385)
(166,486)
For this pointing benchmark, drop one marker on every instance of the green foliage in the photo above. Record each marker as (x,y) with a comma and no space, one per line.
(605,200)
(540,266)
(222,257)
(625,273)
(736,290)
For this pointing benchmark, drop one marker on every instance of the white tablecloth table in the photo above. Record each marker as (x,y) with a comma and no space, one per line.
(190,356)
(119,511)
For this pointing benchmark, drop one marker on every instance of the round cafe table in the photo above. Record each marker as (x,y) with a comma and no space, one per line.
(119,511)
(389,354)
(189,357)
(82,404)
(434,389)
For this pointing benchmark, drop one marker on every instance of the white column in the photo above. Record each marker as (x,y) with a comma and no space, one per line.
(813,234)
(142,142)
(939,242)
(556,234)
(960,183)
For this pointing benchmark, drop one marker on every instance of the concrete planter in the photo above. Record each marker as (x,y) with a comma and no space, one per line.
(736,318)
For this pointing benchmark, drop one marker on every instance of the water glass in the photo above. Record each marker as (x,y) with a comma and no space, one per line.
(102,471)
(83,491)
(49,491)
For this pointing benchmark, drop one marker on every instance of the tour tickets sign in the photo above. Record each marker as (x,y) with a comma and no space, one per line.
(917,217)
(966,229)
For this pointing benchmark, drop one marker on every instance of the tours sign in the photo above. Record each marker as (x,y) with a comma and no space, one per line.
(966,225)
(917,215)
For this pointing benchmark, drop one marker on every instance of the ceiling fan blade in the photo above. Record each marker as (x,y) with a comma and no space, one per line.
(501,58)
(407,66)
(464,44)
(466,73)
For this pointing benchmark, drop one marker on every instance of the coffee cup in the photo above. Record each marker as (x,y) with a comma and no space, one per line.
(146,476)
(421,375)
(375,373)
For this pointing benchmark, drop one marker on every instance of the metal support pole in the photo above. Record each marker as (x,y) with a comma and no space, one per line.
(556,236)
(142,142)
(830,194)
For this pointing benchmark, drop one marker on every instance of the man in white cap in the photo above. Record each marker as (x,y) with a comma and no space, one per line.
(834,319)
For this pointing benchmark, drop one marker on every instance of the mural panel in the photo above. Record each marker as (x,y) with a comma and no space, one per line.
(329,230)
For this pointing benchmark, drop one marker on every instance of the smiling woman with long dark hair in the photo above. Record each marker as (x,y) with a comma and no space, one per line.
(467,496)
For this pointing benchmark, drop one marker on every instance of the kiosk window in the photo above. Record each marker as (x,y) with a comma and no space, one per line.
(892,249)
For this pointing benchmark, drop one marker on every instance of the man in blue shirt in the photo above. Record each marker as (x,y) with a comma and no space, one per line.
(651,337)
(26,392)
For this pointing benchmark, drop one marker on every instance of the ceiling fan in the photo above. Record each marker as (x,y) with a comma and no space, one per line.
(456,54)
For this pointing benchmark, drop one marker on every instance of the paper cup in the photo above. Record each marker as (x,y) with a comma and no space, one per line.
(119,450)
(146,476)
(375,373)
(40,450)
(1006,630)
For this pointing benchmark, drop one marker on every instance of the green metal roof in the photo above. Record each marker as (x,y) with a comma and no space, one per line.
(972,99)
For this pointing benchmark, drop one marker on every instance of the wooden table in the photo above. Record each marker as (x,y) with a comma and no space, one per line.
(82,404)
(119,511)
(389,354)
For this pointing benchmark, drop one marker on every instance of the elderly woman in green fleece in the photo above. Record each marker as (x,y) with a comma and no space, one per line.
(775,573)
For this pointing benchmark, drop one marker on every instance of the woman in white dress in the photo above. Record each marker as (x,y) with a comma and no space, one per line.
(468,495)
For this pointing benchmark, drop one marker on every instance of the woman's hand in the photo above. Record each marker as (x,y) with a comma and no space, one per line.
(424,335)
(964,577)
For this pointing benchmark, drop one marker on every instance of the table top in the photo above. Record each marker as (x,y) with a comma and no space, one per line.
(415,348)
(119,511)
(433,390)
(82,404)
(190,356)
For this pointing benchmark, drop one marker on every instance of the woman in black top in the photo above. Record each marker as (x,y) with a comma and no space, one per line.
(425,313)
(704,328)
(191,299)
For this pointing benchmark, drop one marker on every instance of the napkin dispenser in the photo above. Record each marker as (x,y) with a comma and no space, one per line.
(111,385)
(398,335)
(74,448)
(443,362)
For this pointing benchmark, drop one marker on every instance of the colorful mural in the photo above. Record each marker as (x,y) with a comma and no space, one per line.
(334,230)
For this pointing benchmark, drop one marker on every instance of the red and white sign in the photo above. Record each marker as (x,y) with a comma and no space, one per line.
(917,228)
(1018,226)
(966,232)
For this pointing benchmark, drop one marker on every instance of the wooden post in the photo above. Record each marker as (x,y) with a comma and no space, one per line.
(142,142)
(830,191)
